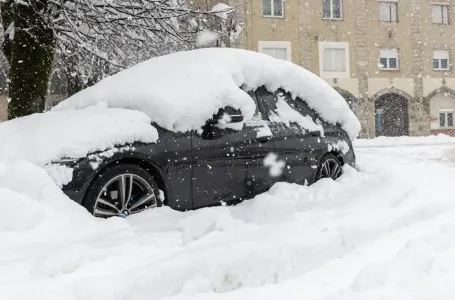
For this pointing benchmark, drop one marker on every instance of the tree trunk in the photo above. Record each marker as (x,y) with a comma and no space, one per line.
(7,18)
(30,57)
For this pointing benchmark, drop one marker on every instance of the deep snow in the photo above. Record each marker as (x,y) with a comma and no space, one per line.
(386,232)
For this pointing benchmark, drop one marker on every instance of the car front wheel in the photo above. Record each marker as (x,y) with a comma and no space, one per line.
(121,190)
(329,167)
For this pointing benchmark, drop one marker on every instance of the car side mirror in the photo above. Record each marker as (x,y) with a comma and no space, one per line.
(230,119)
(227,115)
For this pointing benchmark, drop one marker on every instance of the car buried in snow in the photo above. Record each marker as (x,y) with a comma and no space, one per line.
(258,123)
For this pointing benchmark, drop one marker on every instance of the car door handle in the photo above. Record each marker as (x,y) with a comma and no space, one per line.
(264,139)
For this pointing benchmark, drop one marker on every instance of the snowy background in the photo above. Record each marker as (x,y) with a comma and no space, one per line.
(384,231)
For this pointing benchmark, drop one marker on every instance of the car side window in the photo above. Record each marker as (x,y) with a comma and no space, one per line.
(256,120)
(305,110)
(268,102)
(281,94)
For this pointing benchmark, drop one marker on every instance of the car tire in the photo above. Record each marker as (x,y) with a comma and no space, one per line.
(139,189)
(329,166)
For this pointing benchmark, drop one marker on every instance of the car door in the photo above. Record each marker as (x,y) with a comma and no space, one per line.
(220,157)
(258,178)
(295,136)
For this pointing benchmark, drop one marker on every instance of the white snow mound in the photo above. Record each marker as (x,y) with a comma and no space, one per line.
(38,211)
(181,91)
(46,137)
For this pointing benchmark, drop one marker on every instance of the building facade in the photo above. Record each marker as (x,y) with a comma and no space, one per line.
(390,59)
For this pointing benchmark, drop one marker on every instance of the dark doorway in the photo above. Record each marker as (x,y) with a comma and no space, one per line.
(348,97)
(392,115)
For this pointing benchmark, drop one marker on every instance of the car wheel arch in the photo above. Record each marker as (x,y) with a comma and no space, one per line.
(149,167)
(322,155)
(336,153)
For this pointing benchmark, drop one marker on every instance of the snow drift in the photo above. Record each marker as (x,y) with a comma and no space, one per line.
(182,90)
(384,233)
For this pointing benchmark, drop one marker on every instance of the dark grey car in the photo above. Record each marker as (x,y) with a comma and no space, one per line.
(210,166)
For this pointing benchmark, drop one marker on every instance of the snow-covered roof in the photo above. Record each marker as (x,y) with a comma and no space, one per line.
(181,91)
(47,137)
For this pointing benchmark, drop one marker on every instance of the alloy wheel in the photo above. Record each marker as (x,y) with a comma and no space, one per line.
(124,195)
(330,168)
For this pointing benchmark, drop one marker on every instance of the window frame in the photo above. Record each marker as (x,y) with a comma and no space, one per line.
(277,45)
(331,17)
(334,45)
(446,118)
(449,65)
(272,8)
(387,68)
(390,2)
(441,6)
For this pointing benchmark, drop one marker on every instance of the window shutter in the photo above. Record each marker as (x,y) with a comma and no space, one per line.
(389,53)
(440,54)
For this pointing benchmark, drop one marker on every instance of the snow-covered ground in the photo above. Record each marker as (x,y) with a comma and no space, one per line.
(386,231)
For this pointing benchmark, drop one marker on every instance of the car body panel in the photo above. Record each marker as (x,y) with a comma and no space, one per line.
(169,158)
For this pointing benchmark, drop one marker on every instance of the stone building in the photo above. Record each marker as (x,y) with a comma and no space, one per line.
(391,59)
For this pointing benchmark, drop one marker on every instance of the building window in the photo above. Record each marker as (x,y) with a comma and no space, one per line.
(273,8)
(280,53)
(388,11)
(334,59)
(277,49)
(440,14)
(441,60)
(332,9)
(446,119)
(388,59)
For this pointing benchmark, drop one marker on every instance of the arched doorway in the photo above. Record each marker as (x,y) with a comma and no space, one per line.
(350,99)
(392,115)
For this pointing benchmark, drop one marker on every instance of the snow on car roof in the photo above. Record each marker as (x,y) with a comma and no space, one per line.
(181,91)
